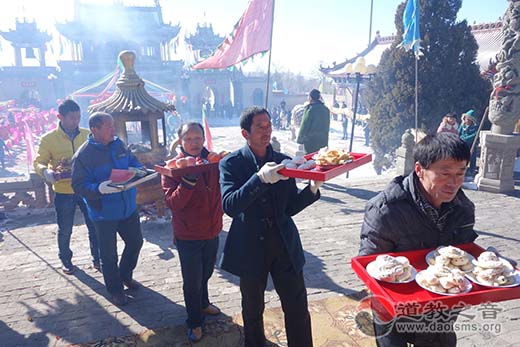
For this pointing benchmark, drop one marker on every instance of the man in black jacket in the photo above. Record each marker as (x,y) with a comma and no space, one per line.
(426,209)
(263,238)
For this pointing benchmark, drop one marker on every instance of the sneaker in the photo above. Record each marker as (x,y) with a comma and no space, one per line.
(68,269)
(211,310)
(120,299)
(132,284)
(195,334)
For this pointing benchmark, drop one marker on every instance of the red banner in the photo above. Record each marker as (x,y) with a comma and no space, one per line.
(209,139)
(29,143)
(252,35)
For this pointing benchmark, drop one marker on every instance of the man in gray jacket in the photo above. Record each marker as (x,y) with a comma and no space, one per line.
(424,210)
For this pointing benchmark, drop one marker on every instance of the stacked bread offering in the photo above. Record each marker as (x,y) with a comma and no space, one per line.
(391,269)
(441,279)
(300,163)
(490,270)
(451,257)
(326,157)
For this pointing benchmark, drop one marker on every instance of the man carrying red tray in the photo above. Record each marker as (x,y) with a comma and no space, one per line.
(424,210)
(263,239)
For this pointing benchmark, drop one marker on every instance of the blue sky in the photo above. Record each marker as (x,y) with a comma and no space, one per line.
(306,33)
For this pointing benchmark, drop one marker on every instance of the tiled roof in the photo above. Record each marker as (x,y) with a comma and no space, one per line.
(489,39)
(488,36)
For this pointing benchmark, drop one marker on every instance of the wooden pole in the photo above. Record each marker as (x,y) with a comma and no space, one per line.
(475,140)
(416,97)
(269,63)
(370,27)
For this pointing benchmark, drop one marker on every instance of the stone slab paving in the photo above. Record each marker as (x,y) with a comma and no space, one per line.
(40,306)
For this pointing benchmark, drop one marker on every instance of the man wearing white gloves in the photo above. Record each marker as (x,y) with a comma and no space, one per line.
(263,238)
(112,210)
(53,163)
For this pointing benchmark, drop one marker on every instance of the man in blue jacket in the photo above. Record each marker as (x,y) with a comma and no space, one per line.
(111,209)
(263,238)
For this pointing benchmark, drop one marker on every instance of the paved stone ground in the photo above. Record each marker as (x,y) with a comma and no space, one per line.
(40,306)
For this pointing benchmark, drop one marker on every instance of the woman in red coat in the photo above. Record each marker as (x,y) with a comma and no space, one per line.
(196,208)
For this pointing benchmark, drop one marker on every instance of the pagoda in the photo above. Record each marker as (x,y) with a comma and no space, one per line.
(204,40)
(213,86)
(27,36)
(30,80)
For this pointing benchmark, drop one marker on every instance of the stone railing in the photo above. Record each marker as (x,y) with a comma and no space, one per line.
(404,161)
(14,193)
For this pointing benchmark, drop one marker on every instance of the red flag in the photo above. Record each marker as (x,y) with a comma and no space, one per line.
(29,143)
(209,139)
(251,35)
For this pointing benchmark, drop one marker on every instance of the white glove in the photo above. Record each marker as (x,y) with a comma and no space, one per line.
(104,188)
(315,185)
(269,173)
(48,174)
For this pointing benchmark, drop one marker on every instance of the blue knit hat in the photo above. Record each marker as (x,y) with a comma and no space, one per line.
(470,115)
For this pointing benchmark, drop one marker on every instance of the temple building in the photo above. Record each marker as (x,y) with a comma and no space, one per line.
(98,32)
(487,35)
(205,40)
(29,80)
(95,36)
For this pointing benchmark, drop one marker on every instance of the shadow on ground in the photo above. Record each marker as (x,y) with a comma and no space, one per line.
(363,194)
(314,272)
(480,232)
(9,337)
(161,235)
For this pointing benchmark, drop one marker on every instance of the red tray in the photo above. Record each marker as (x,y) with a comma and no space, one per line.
(325,175)
(166,171)
(402,299)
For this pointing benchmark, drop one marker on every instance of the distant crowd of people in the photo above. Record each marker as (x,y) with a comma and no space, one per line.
(13,121)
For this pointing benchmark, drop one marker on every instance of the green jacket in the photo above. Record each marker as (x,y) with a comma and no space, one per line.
(314,129)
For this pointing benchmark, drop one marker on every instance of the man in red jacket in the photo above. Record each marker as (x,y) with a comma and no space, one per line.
(196,208)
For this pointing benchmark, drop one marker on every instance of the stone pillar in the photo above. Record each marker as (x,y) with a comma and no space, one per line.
(497,162)
(404,162)
(41,54)
(277,147)
(40,196)
(17,56)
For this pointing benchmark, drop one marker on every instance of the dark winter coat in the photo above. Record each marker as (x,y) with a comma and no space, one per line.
(467,133)
(196,210)
(93,164)
(250,202)
(314,129)
(394,222)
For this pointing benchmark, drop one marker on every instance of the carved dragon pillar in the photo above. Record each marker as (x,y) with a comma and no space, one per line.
(499,145)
